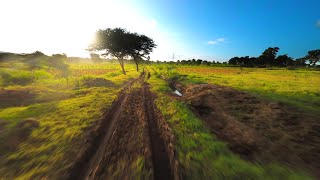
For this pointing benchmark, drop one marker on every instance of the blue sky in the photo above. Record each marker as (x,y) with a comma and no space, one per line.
(212,29)
(241,27)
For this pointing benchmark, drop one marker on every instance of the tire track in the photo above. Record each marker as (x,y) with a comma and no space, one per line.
(160,158)
(116,140)
(88,158)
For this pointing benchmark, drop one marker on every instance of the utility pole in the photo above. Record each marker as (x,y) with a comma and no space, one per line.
(173,57)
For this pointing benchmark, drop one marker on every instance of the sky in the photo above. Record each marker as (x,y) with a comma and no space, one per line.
(182,29)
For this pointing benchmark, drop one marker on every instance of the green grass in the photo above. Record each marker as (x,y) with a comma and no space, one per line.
(65,114)
(200,154)
(299,87)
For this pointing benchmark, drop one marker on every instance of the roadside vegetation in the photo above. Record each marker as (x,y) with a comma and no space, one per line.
(45,115)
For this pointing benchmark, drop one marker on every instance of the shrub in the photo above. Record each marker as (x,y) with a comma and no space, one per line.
(15,78)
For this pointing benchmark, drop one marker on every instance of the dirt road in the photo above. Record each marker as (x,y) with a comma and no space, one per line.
(129,143)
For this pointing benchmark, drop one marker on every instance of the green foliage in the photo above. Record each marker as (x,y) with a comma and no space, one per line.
(15,77)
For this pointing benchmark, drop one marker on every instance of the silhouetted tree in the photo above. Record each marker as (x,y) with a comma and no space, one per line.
(139,46)
(120,43)
(313,56)
(268,57)
(199,61)
(114,42)
(184,61)
(234,61)
(300,62)
(35,60)
(243,61)
(95,58)
(193,61)
(58,61)
(283,61)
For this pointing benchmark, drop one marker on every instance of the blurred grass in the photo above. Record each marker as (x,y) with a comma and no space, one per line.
(200,154)
(64,111)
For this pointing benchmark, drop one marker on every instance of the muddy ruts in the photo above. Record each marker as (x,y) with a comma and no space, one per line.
(97,137)
(160,158)
(131,133)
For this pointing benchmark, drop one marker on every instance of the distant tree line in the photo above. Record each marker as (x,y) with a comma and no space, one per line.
(199,62)
(269,58)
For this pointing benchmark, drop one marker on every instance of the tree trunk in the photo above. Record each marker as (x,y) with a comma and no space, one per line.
(122,66)
(136,61)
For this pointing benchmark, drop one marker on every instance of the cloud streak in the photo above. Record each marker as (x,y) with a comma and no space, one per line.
(216,41)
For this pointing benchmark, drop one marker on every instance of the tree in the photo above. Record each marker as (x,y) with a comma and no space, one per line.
(95,58)
(234,61)
(283,61)
(268,57)
(58,61)
(35,60)
(139,46)
(313,56)
(120,43)
(300,62)
(199,61)
(114,42)
(193,61)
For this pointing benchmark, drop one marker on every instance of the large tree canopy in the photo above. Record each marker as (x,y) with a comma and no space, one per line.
(119,43)
(139,46)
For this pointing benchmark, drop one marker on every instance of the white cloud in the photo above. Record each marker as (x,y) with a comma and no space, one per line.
(217,41)
(318,24)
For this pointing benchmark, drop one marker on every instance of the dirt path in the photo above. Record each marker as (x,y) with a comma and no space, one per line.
(128,144)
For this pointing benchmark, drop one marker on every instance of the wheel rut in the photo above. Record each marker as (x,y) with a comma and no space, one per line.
(128,143)
(160,158)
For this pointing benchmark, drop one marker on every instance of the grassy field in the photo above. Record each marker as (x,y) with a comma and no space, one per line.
(296,87)
(46,119)
(200,154)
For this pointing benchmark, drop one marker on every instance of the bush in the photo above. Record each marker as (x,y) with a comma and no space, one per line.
(89,81)
(15,78)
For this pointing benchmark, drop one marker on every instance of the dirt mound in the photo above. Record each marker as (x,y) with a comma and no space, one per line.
(3,123)
(27,96)
(98,82)
(18,97)
(258,130)
(29,123)
(19,133)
